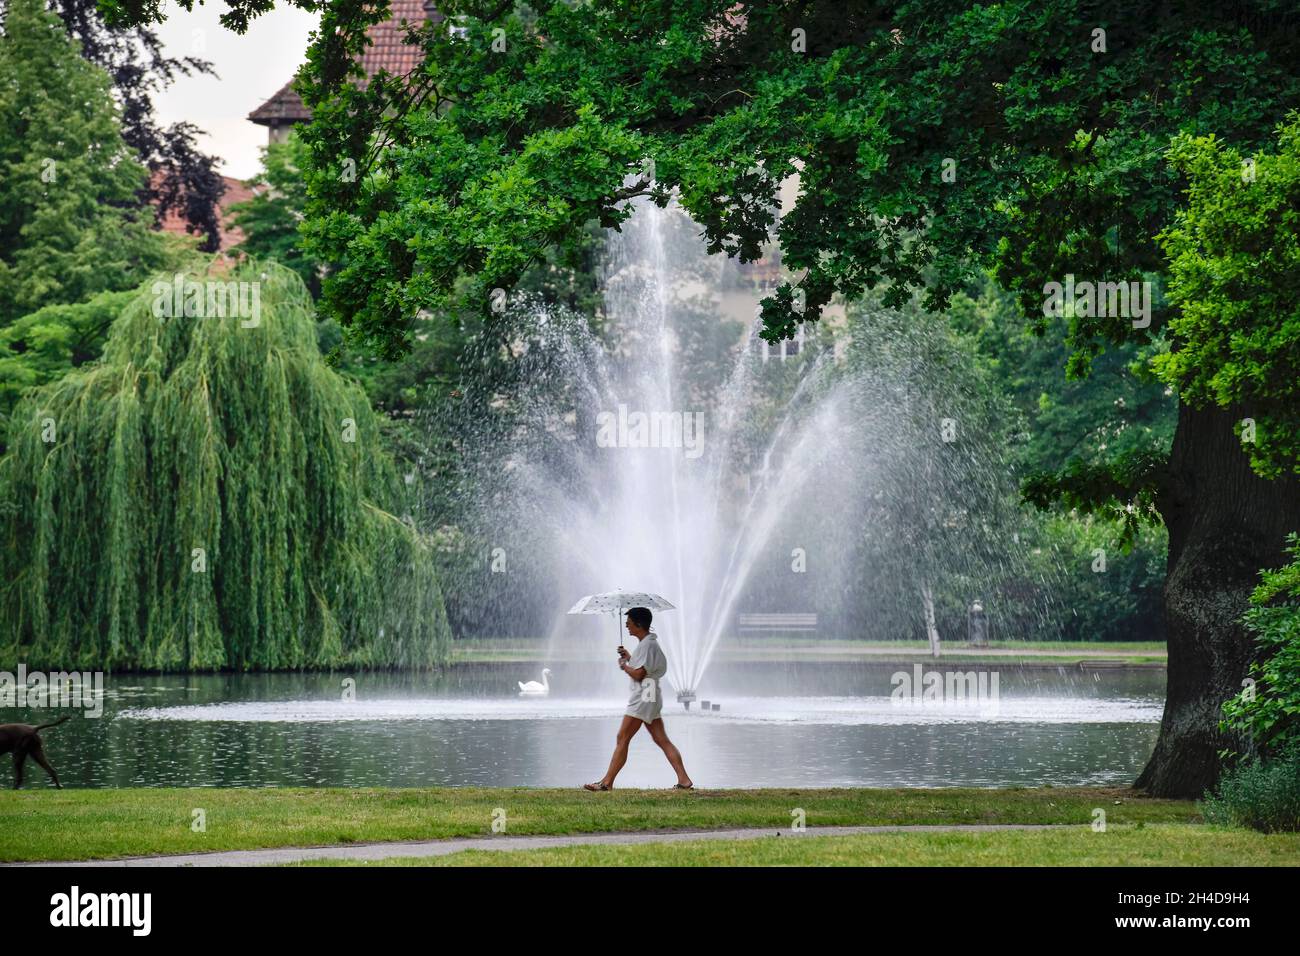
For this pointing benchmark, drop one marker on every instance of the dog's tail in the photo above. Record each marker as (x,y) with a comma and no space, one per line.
(54,723)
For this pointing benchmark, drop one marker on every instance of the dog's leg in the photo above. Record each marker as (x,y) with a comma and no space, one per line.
(19,756)
(38,754)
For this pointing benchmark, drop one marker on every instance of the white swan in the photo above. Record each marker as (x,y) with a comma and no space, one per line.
(534,689)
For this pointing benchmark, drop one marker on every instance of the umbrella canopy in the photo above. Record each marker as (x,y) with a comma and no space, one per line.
(616,602)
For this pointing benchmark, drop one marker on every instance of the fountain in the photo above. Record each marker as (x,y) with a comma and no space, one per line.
(675,453)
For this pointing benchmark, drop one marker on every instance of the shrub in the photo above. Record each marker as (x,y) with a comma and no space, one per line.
(1263,791)
(1268,712)
(1261,794)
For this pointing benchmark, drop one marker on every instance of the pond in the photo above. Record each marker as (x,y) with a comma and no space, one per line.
(779,725)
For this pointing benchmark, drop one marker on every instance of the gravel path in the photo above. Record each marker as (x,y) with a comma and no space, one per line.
(383,851)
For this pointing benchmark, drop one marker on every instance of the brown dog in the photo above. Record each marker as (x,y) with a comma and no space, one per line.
(25,741)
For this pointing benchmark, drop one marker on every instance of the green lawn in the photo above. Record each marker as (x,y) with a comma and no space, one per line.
(1161,844)
(86,824)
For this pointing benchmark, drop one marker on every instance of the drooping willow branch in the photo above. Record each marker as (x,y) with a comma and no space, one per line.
(210,495)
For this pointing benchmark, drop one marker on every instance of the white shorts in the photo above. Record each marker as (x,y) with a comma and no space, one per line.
(646,710)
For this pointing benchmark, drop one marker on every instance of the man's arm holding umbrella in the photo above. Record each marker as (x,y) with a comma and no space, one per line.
(636,673)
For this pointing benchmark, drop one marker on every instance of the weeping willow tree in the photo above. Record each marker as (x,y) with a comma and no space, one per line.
(210,495)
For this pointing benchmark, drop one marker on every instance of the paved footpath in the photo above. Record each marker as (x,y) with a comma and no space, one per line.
(384,851)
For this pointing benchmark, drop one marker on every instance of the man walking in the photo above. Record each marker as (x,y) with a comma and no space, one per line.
(646,667)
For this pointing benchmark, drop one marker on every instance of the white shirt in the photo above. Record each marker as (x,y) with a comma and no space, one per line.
(646,700)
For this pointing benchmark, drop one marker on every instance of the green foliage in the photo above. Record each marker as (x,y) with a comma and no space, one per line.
(1124,488)
(942,512)
(1263,790)
(1096,442)
(1123,603)
(1057,149)
(433,371)
(488,156)
(1234,262)
(237,16)
(949,491)
(1264,796)
(229,435)
(42,346)
(70,221)
(270,219)
(482,233)
(953,515)
(1269,712)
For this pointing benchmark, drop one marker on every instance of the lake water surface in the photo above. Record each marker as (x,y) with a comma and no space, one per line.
(796,725)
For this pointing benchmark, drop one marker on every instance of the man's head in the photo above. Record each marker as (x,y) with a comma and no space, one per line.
(638,621)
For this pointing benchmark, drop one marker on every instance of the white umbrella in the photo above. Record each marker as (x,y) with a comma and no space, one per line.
(616,602)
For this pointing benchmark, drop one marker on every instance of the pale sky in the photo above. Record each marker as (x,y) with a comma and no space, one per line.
(250,68)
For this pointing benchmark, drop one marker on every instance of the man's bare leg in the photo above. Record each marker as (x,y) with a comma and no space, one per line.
(626,731)
(659,733)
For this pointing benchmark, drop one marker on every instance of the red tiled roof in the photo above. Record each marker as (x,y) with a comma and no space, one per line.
(231,235)
(285,107)
(388,51)
(388,48)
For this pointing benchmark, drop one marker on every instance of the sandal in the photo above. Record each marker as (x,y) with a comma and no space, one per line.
(597,786)
(678,786)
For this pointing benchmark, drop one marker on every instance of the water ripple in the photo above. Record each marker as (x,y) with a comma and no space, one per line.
(846,711)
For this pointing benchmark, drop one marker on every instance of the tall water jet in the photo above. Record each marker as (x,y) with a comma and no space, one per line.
(675,452)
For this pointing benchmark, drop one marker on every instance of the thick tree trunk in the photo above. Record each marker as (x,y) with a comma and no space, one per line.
(1225,524)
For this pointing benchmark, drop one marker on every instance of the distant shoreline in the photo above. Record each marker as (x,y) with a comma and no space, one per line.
(810,651)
